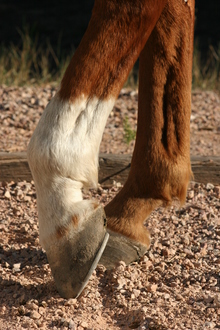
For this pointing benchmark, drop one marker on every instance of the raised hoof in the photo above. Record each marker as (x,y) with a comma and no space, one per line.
(121,248)
(73,258)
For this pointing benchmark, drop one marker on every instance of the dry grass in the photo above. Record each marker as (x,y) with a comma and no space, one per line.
(33,64)
(29,63)
(206,75)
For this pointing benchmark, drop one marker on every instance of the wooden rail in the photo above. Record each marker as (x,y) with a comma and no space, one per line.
(14,167)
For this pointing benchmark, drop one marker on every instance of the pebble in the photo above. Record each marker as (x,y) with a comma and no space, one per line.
(43,303)
(35,315)
(217,191)
(21,310)
(7,194)
(209,325)
(136,292)
(191,194)
(32,306)
(70,302)
(165,253)
(217,300)
(209,186)
(152,287)
(72,325)
(64,322)
(84,324)
(16,267)
(27,198)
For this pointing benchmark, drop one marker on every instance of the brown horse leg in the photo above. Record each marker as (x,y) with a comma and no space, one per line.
(160,168)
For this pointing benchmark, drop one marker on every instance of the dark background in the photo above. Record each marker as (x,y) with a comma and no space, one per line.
(64,22)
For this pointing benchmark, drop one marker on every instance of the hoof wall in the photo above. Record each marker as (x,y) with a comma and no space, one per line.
(74,258)
(121,248)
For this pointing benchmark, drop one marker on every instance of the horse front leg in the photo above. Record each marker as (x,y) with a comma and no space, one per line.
(63,151)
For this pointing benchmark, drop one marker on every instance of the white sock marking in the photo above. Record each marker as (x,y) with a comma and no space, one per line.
(63,157)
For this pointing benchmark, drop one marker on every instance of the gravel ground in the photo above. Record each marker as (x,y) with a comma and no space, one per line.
(21,108)
(176,285)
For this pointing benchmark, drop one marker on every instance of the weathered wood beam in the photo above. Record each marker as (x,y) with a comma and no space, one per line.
(14,167)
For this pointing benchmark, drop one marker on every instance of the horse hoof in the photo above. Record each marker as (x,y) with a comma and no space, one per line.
(73,258)
(121,248)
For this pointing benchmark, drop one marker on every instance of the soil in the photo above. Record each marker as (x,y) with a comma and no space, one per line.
(176,285)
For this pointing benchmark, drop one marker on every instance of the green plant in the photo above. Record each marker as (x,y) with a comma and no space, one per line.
(129,133)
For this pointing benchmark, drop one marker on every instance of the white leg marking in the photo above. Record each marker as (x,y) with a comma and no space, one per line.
(63,157)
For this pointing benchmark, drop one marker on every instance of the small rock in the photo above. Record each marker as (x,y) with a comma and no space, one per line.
(186,240)
(209,325)
(152,287)
(121,283)
(21,310)
(16,267)
(179,297)
(172,252)
(165,253)
(173,284)
(26,324)
(209,186)
(35,227)
(35,315)
(27,198)
(151,256)
(32,306)
(217,300)
(84,324)
(121,266)
(64,322)
(70,302)
(24,229)
(144,309)
(43,303)
(39,324)
(83,299)
(208,299)
(191,194)
(217,191)
(188,252)
(7,194)
(15,211)
(41,310)
(60,312)
(7,265)
(146,265)
(136,292)
(72,325)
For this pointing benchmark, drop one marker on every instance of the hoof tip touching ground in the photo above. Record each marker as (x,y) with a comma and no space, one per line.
(74,258)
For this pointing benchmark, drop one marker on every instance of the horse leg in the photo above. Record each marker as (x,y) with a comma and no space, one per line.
(160,167)
(63,151)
